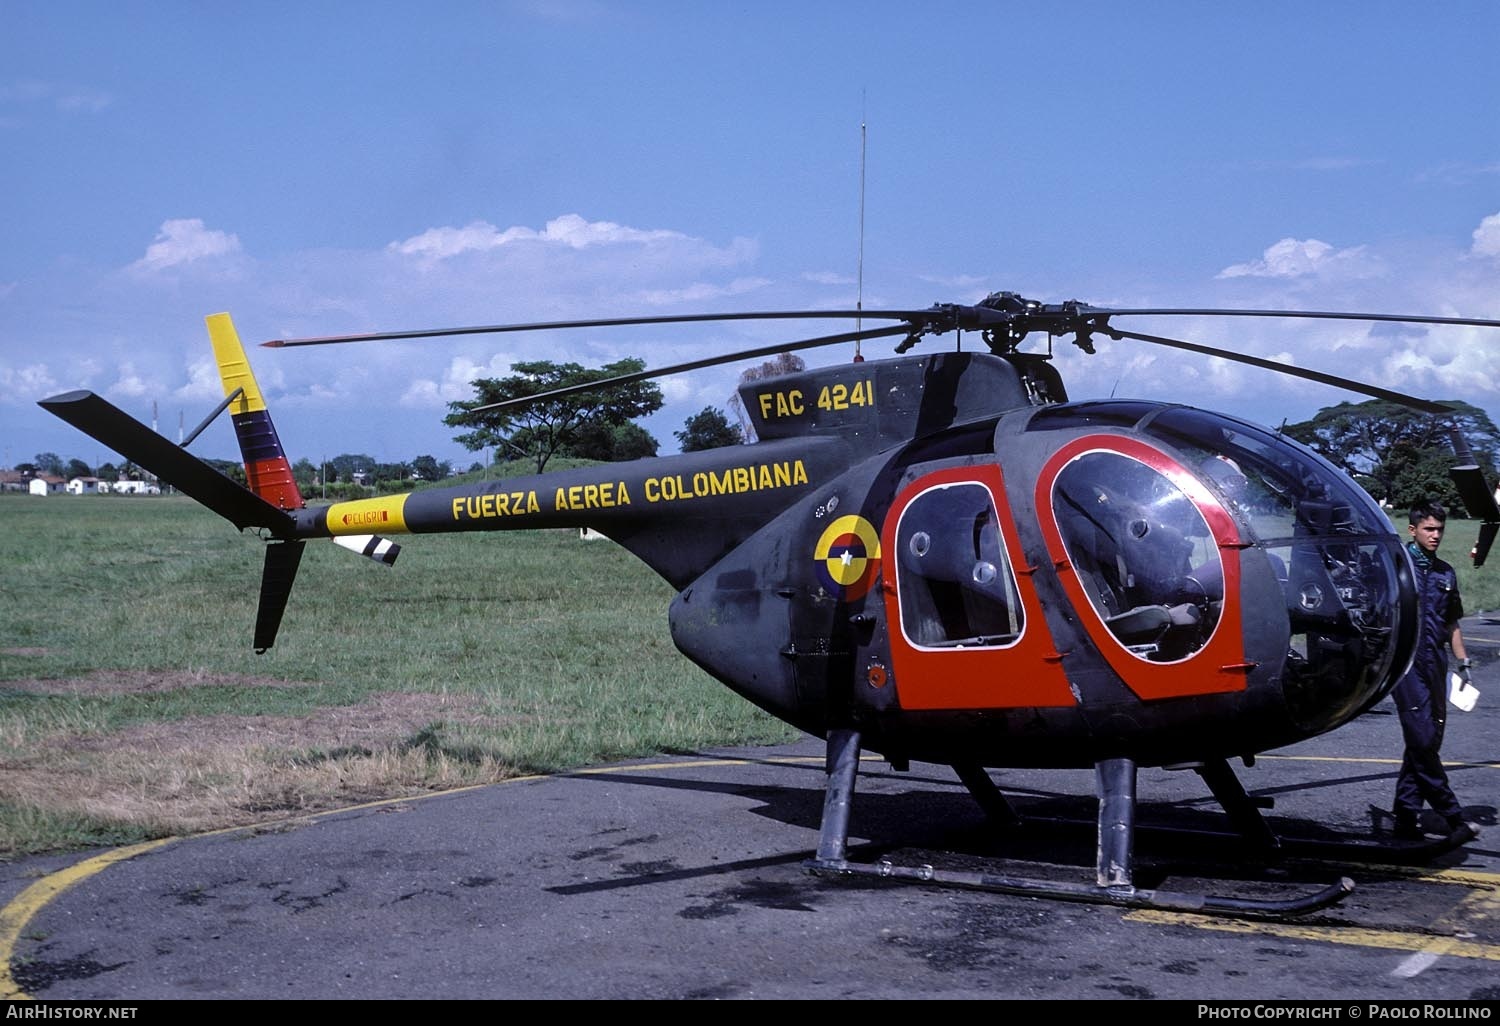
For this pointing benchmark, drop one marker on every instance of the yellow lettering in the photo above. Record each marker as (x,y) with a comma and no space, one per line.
(458,504)
(591,496)
(652,485)
(623,499)
(560,500)
(799,473)
(575,497)
(487,506)
(606,494)
(783,475)
(765,404)
(502,504)
(741,479)
(796,397)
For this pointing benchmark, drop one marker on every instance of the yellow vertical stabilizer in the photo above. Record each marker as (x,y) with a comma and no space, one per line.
(234,368)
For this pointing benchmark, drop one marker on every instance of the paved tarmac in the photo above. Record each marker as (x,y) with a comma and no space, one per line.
(683,877)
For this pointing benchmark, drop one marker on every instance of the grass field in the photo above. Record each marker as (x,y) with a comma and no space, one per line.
(132,705)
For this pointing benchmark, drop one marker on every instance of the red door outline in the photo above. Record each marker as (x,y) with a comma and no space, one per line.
(1026,673)
(1220,665)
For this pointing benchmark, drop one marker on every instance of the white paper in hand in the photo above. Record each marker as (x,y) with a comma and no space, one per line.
(1461,693)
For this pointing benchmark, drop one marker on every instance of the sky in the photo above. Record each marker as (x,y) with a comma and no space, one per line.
(335,167)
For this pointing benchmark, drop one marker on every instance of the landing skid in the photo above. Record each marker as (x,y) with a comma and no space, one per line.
(1114,883)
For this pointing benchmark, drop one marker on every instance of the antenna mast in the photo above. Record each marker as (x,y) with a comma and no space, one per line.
(859,293)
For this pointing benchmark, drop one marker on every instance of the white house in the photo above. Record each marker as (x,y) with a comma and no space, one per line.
(86,486)
(47,484)
(125,487)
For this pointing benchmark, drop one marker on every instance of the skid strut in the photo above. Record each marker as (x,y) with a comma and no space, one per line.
(1116,782)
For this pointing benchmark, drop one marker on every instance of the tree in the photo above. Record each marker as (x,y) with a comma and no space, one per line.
(708,429)
(1398,454)
(77,468)
(631,442)
(305,474)
(611,443)
(109,472)
(429,468)
(542,429)
(345,465)
(232,469)
(391,472)
(49,463)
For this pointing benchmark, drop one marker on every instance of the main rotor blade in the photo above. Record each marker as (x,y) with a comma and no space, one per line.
(608,322)
(691,365)
(1425,405)
(1476,322)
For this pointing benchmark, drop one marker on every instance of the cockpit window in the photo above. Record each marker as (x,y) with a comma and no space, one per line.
(1143,553)
(955,583)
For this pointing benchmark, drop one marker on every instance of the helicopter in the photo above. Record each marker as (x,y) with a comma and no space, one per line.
(943,558)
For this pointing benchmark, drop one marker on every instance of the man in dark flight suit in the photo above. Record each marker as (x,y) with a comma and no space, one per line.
(1422,695)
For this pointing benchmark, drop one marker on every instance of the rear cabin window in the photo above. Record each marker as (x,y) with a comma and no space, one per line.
(956,585)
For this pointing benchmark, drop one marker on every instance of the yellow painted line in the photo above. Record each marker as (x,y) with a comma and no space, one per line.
(1380,762)
(16,914)
(1352,936)
(1475,907)
(1427,946)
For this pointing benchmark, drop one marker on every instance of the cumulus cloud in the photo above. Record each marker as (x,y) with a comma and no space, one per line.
(568,230)
(183,241)
(700,292)
(676,388)
(24,384)
(828,278)
(456,384)
(203,382)
(1299,258)
(131,383)
(1487,237)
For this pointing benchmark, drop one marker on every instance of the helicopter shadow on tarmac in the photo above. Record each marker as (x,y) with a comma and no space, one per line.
(926,817)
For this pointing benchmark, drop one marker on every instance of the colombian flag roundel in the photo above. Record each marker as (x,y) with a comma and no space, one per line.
(848,557)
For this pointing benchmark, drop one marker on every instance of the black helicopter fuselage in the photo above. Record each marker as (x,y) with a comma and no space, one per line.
(944,554)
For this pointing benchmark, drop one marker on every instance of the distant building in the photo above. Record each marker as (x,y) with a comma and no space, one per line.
(12,481)
(86,486)
(124,487)
(48,484)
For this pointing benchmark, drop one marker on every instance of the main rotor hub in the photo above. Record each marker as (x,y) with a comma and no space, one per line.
(1004,319)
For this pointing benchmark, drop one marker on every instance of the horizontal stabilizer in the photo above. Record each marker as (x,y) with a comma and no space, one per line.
(171,463)
(381,550)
